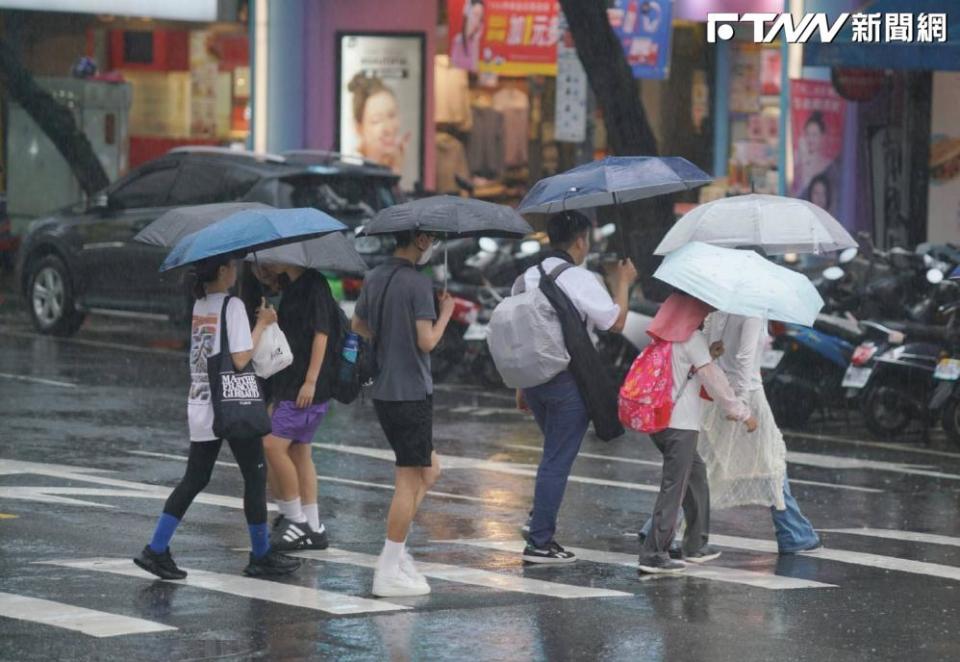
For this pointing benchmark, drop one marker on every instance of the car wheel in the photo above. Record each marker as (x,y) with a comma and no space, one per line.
(50,298)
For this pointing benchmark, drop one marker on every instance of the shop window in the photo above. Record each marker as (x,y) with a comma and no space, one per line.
(150,189)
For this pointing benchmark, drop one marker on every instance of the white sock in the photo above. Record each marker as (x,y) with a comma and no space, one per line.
(390,556)
(292,510)
(312,513)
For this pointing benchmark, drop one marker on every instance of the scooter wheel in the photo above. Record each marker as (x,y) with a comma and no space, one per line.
(950,418)
(884,411)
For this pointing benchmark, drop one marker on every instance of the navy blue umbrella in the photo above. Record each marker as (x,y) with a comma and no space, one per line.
(614,180)
(251,230)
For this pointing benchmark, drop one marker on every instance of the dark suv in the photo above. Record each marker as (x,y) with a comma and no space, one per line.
(83,259)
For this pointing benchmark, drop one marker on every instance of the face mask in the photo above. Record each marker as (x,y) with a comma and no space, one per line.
(427,254)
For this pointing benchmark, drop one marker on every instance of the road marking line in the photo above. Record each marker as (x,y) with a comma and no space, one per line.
(37,380)
(245,587)
(870,444)
(79,619)
(8,516)
(92,343)
(472,576)
(510,468)
(630,460)
(896,534)
(330,479)
(839,462)
(843,556)
(713,573)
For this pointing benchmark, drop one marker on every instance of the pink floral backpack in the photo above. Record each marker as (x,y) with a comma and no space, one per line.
(646,401)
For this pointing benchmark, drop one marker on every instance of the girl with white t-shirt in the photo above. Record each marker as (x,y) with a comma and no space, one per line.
(684,480)
(214,277)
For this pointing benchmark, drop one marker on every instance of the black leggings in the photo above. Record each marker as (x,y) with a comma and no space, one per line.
(203,455)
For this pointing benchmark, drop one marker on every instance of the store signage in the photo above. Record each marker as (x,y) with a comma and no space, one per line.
(176,10)
(506,37)
(571,110)
(858,84)
(644,28)
(380,103)
(817,119)
(943,205)
(872,28)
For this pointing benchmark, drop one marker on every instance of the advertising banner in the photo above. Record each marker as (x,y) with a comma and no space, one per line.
(505,37)
(644,27)
(381,101)
(571,111)
(816,118)
(943,203)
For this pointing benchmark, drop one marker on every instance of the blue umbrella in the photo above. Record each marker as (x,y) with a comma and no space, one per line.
(614,180)
(251,230)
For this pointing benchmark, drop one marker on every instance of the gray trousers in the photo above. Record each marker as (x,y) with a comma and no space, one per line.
(684,483)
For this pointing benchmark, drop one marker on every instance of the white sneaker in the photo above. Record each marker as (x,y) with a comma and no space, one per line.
(409,568)
(397,584)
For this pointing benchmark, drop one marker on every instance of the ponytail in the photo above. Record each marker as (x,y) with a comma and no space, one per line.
(206,271)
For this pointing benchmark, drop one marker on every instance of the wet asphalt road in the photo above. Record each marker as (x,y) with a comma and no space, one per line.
(93,437)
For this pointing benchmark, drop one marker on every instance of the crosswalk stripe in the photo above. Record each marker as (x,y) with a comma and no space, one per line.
(713,572)
(844,556)
(258,589)
(322,479)
(472,576)
(906,448)
(78,619)
(630,460)
(895,534)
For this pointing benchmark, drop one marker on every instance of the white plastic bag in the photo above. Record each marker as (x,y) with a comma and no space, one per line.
(272,354)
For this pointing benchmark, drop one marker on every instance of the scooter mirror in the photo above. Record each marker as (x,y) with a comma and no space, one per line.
(530,247)
(934,276)
(848,255)
(608,230)
(489,245)
(833,273)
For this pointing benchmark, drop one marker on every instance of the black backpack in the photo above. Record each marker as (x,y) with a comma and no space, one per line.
(597,387)
(341,379)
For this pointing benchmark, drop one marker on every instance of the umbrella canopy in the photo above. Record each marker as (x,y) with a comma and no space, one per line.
(177,223)
(447,214)
(613,180)
(251,230)
(773,222)
(742,283)
(334,252)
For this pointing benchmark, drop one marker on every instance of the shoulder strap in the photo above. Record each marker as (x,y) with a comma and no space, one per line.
(559,269)
(383,299)
(224,338)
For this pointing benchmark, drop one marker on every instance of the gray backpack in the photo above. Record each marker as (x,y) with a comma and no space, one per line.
(525,337)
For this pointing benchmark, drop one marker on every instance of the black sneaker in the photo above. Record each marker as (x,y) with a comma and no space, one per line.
(675,551)
(657,565)
(271,564)
(161,564)
(704,554)
(553,553)
(288,536)
(315,539)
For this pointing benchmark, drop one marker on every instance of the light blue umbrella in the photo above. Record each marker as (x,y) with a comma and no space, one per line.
(741,282)
(613,180)
(251,230)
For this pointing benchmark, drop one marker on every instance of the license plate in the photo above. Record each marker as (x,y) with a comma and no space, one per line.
(948,370)
(771,359)
(856,377)
(476,332)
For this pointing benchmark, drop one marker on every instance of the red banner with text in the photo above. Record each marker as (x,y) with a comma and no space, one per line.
(505,37)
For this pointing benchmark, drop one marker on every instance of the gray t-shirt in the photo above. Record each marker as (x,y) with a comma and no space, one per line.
(404,369)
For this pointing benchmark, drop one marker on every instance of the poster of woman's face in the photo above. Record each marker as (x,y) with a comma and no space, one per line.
(381,101)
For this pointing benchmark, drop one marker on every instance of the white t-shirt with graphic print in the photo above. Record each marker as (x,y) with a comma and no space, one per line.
(204,343)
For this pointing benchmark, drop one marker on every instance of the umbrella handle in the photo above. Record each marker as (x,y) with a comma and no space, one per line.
(619,236)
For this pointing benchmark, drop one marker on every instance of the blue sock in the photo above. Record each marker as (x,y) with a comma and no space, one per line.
(259,539)
(166,526)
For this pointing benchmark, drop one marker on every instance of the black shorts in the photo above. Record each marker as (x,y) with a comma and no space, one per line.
(408,425)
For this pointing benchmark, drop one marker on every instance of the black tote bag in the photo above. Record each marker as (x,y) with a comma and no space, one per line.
(239,410)
(594,381)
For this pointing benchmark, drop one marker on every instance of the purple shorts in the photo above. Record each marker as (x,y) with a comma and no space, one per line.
(297,425)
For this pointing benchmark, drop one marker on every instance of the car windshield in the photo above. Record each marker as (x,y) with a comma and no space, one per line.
(351,199)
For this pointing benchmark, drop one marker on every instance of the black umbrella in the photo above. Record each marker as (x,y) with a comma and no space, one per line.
(450,215)
(177,223)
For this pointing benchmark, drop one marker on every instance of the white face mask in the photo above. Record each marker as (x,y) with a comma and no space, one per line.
(427,254)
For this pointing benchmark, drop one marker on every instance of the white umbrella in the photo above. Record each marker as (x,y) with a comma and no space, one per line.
(334,252)
(773,222)
(741,282)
